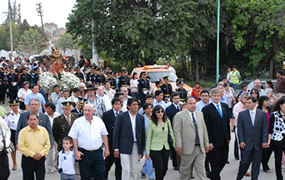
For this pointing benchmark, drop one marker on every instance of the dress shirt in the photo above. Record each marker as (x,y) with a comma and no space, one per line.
(200,105)
(73,99)
(220,107)
(31,142)
(161,103)
(59,105)
(55,114)
(133,122)
(176,107)
(12,120)
(252,114)
(236,110)
(106,100)
(54,97)
(98,104)
(68,118)
(110,93)
(89,136)
(4,132)
(115,112)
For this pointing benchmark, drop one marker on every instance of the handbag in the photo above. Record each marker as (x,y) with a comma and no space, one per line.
(169,137)
(11,147)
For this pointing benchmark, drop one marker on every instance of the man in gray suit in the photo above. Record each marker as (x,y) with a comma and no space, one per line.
(191,139)
(252,135)
(44,121)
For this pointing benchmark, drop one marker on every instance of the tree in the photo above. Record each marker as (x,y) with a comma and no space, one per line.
(31,42)
(66,42)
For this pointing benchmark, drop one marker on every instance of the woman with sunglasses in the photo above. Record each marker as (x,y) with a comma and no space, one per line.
(276,134)
(263,104)
(157,146)
(254,92)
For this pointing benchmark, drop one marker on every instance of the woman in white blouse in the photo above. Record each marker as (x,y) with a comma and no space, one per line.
(134,85)
(22,93)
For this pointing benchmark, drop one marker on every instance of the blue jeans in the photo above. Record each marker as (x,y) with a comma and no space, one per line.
(148,168)
(92,165)
(234,85)
(67,176)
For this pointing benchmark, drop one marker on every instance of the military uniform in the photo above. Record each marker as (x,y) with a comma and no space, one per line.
(143,88)
(2,86)
(61,128)
(12,121)
(182,93)
(167,90)
(12,79)
(25,77)
(112,82)
(100,79)
(79,75)
(35,77)
(123,81)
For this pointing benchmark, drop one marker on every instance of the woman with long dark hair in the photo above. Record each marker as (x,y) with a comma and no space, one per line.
(263,104)
(254,92)
(157,146)
(134,85)
(276,134)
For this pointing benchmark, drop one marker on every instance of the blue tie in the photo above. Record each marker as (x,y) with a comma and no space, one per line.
(177,108)
(220,112)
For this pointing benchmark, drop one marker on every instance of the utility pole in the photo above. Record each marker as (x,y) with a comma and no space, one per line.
(10,22)
(218,41)
(40,11)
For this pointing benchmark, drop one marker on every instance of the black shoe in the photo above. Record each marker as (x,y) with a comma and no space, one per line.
(208,173)
(228,162)
(3,102)
(176,168)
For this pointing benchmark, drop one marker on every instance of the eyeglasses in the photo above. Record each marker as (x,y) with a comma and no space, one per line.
(159,111)
(253,93)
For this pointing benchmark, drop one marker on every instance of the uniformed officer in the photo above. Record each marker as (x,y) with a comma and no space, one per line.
(166,88)
(143,87)
(25,76)
(124,79)
(79,106)
(91,75)
(62,124)
(12,119)
(112,80)
(78,73)
(182,91)
(100,77)
(2,85)
(36,75)
(12,79)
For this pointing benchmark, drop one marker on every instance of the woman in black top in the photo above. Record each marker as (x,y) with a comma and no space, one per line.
(276,134)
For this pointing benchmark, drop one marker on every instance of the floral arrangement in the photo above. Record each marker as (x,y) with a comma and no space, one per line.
(65,80)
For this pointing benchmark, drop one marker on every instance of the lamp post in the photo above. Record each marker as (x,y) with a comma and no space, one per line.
(218,40)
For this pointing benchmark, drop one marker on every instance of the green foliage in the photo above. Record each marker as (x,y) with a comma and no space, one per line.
(66,42)
(31,42)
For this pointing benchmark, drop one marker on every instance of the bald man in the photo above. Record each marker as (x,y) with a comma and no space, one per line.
(87,149)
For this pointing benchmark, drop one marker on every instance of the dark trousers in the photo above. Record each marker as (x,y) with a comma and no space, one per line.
(108,164)
(160,162)
(247,157)
(218,158)
(236,153)
(92,165)
(12,92)
(174,157)
(266,153)
(22,106)
(4,166)
(278,148)
(141,97)
(2,93)
(31,166)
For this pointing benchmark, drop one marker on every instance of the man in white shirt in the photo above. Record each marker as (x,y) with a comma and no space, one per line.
(88,133)
(56,94)
(75,95)
(125,90)
(159,99)
(205,98)
(108,90)
(257,85)
(62,99)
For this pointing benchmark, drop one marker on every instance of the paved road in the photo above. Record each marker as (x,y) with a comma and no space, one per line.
(229,172)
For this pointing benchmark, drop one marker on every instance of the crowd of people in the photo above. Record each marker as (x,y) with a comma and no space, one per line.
(117,119)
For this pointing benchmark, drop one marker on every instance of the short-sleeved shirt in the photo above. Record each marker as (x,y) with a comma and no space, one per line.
(89,136)
(38,96)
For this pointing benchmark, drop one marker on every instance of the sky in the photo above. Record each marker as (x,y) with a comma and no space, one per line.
(55,11)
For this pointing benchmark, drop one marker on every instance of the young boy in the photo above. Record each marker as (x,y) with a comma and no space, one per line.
(196,91)
(66,160)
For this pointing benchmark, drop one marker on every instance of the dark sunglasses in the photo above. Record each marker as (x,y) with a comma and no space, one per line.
(253,93)
(160,111)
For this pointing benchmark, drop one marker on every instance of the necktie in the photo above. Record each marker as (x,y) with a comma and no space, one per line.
(220,112)
(196,129)
(177,108)
(252,118)
(116,113)
(68,120)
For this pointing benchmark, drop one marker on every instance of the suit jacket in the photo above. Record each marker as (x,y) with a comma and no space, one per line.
(109,120)
(61,128)
(123,134)
(77,112)
(252,136)
(170,112)
(218,128)
(185,133)
(43,121)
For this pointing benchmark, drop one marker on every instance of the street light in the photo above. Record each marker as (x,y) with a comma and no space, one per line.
(218,39)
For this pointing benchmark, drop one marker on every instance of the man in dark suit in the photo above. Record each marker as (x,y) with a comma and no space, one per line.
(216,116)
(109,118)
(62,124)
(252,134)
(79,106)
(43,120)
(129,139)
(170,112)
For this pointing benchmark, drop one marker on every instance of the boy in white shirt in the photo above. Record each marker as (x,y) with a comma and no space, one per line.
(66,160)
